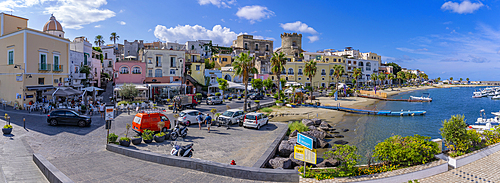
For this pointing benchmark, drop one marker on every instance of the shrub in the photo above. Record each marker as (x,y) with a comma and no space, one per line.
(406,151)
(275,95)
(199,96)
(123,102)
(257,101)
(83,107)
(147,135)
(346,155)
(217,94)
(279,101)
(7,126)
(125,139)
(267,109)
(161,134)
(112,137)
(297,125)
(230,98)
(455,135)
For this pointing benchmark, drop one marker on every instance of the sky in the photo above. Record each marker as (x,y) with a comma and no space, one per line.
(457,38)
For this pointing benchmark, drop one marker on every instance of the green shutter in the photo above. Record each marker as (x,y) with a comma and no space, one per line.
(11,57)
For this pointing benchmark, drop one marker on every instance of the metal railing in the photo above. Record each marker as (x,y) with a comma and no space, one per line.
(44,67)
(58,68)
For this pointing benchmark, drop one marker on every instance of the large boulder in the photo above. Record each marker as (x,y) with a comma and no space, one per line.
(292,140)
(285,148)
(307,122)
(312,128)
(328,163)
(316,133)
(279,162)
(341,142)
(316,121)
(324,124)
(296,161)
(322,143)
(294,133)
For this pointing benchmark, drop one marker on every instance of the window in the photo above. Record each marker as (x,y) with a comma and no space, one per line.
(150,73)
(335,60)
(110,64)
(300,79)
(149,61)
(158,73)
(172,71)
(246,46)
(327,59)
(192,47)
(286,78)
(158,61)
(256,46)
(43,62)
(290,71)
(224,59)
(136,70)
(105,55)
(368,66)
(85,60)
(41,81)
(11,57)
(124,70)
(323,73)
(331,72)
(323,85)
(360,64)
(300,72)
(294,43)
(307,79)
(197,67)
(57,67)
(267,47)
(172,61)
(323,79)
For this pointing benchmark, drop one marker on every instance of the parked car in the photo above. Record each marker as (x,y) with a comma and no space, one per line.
(214,100)
(232,116)
(150,120)
(256,96)
(188,117)
(255,120)
(68,117)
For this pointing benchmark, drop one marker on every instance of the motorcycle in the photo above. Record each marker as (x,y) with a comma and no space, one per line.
(183,151)
(176,132)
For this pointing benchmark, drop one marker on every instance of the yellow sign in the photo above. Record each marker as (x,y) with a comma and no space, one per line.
(304,154)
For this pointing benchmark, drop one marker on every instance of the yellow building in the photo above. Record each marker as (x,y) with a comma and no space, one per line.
(32,61)
(222,60)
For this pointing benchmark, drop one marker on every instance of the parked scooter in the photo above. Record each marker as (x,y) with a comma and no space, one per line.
(176,132)
(184,151)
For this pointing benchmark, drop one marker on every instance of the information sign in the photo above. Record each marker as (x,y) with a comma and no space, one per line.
(305,140)
(110,113)
(303,154)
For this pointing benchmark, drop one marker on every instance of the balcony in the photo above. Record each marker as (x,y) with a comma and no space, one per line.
(78,76)
(44,67)
(126,72)
(158,65)
(58,68)
(300,73)
(323,73)
(290,73)
(136,72)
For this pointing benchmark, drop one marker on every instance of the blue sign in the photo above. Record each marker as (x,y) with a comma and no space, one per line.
(305,141)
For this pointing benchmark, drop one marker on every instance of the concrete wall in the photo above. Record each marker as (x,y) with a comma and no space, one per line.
(52,174)
(412,176)
(271,151)
(461,161)
(251,173)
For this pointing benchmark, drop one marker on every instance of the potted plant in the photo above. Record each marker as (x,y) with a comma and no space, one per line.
(125,141)
(112,138)
(136,140)
(230,98)
(239,98)
(159,137)
(279,103)
(83,109)
(258,103)
(147,136)
(170,107)
(7,129)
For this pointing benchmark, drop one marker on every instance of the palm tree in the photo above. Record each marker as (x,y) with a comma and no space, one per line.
(467,80)
(114,37)
(451,80)
(414,77)
(381,77)
(374,78)
(400,76)
(310,71)
(356,73)
(244,65)
(461,80)
(338,71)
(391,77)
(99,40)
(278,62)
(408,77)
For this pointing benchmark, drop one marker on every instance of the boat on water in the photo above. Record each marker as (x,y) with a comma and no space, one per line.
(496,97)
(483,120)
(424,97)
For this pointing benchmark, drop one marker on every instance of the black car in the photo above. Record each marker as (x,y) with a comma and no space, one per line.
(67,117)
(256,96)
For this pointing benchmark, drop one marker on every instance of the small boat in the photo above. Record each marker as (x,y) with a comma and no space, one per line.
(422,98)
(496,97)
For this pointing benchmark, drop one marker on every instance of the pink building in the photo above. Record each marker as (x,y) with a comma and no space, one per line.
(130,72)
(261,76)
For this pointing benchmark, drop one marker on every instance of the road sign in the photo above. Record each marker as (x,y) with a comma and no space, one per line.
(110,113)
(305,141)
(303,154)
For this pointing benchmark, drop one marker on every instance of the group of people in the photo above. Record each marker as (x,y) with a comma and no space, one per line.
(207,121)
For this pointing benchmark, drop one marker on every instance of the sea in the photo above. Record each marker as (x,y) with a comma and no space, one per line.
(366,131)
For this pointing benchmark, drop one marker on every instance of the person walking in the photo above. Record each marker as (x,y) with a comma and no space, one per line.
(208,122)
(199,118)
(175,107)
(91,109)
(101,110)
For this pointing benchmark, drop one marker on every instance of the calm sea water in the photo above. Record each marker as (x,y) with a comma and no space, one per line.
(446,102)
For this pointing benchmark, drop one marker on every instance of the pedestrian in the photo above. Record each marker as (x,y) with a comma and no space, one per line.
(101,110)
(199,118)
(91,108)
(208,122)
(175,107)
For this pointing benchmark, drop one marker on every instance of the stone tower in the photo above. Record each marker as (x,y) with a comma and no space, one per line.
(291,44)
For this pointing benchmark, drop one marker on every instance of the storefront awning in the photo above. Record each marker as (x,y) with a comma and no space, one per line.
(165,84)
(40,87)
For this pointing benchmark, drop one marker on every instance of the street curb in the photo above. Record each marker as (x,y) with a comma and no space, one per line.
(52,174)
(242,172)
(271,151)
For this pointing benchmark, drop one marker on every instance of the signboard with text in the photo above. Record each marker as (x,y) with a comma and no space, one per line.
(305,141)
(110,115)
(303,154)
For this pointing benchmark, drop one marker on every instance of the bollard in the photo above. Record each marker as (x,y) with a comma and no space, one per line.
(8,119)
(128,110)
(24,123)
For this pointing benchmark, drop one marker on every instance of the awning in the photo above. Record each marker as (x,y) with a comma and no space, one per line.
(164,84)
(42,87)
(138,87)
(231,85)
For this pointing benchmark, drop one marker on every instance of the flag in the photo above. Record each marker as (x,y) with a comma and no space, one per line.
(345,93)
(336,94)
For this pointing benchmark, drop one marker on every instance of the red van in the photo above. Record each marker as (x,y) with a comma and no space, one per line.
(150,120)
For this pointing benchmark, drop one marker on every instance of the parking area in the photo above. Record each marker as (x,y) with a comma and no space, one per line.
(244,145)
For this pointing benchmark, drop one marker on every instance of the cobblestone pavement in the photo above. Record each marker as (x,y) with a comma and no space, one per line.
(110,167)
(484,170)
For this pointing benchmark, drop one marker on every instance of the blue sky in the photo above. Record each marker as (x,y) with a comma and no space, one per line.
(445,39)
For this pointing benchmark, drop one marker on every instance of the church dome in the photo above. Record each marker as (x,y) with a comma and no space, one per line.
(52,25)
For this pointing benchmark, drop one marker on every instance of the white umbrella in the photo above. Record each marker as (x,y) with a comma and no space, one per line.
(92,88)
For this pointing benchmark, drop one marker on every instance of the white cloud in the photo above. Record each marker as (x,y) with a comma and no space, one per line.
(262,37)
(71,13)
(298,27)
(218,34)
(97,26)
(121,11)
(462,8)
(312,39)
(218,3)
(122,22)
(254,13)
(222,20)
(150,30)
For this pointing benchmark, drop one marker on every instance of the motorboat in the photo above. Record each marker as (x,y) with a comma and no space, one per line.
(422,98)
(496,97)
(482,119)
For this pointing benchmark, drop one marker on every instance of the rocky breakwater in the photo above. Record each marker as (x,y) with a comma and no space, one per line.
(319,131)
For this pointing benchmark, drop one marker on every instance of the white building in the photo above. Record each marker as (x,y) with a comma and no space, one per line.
(175,46)
(108,52)
(80,55)
(199,46)
(368,68)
